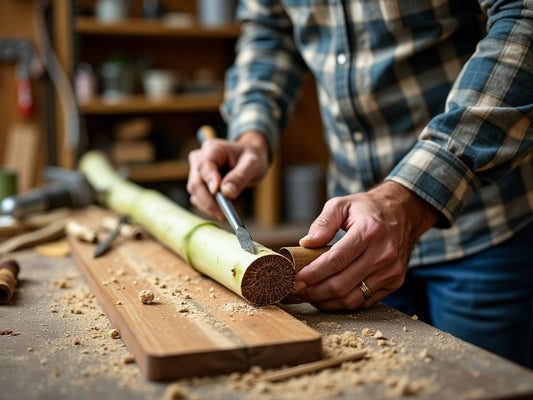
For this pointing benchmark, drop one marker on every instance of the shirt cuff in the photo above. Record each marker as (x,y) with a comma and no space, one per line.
(438,177)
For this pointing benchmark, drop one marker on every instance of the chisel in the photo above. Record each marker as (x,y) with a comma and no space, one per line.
(245,239)
(104,246)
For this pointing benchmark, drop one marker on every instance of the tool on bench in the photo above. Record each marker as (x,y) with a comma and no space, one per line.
(245,239)
(66,189)
(106,244)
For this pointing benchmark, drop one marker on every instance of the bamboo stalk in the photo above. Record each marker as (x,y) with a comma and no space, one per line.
(262,278)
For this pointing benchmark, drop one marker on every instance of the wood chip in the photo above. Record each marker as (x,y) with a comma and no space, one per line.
(60,248)
(146,296)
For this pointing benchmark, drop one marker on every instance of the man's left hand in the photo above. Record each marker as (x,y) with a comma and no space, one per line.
(382,226)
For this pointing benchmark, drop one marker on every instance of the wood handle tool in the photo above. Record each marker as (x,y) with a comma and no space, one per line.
(245,239)
(8,280)
(106,243)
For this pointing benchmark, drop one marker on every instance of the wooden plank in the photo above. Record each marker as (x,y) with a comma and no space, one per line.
(196,326)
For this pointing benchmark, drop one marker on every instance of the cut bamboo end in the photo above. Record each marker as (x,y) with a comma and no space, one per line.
(268,280)
(302,256)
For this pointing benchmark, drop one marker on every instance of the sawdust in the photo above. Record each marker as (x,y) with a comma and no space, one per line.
(381,367)
(98,345)
(328,326)
(241,307)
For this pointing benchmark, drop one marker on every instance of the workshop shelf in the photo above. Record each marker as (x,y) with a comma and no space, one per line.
(159,171)
(142,104)
(143,27)
(200,54)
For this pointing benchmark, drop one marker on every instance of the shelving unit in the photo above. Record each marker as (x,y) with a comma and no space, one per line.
(82,38)
(142,27)
(140,104)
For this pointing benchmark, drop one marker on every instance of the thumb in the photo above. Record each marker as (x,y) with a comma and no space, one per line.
(325,226)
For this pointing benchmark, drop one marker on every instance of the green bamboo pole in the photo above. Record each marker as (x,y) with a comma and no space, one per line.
(261,278)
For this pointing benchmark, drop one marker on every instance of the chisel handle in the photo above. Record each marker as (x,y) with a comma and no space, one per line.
(205,132)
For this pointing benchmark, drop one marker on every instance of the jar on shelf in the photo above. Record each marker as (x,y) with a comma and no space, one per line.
(112,10)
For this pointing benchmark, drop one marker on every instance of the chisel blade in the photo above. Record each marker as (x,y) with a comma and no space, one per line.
(245,239)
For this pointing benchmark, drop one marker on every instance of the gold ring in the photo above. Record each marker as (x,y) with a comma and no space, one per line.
(366,290)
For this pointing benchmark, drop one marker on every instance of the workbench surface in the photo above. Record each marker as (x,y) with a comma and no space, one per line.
(56,343)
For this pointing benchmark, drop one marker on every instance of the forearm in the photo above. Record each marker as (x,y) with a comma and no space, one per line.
(486,129)
(264,83)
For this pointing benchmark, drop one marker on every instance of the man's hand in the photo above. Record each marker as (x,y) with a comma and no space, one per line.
(382,226)
(246,162)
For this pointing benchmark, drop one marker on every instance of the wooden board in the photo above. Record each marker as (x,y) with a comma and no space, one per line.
(196,326)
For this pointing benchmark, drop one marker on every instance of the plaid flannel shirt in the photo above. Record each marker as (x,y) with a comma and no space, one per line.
(436,95)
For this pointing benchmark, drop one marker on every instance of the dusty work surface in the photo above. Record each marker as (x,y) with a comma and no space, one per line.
(56,343)
(193,326)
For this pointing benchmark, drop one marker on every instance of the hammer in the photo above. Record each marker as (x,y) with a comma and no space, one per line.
(8,280)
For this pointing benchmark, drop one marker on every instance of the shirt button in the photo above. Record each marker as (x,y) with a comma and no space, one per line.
(358,136)
(341,59)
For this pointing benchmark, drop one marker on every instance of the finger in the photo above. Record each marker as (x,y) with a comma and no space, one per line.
(355,301)
(209,173)
(349,248)
(212,157)
(207,206)
(200,173)
(200,197)
(248,170)
(292,299)
(337,285)
(326,225)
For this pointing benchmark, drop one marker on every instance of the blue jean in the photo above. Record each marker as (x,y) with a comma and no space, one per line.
(485,299)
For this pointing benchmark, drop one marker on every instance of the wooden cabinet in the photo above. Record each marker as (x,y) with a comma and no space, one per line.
(190,49)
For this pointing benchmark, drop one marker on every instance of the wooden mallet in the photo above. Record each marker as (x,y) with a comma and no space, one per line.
(8,280)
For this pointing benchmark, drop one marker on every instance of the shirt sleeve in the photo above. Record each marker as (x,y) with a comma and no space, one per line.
(485,130)
(264,83)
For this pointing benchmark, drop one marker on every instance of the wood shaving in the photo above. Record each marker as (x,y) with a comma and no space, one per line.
(128,359)
(146,296)
(378,335)
(8,332)
(175,391)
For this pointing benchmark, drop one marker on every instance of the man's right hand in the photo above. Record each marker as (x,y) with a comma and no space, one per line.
(246,162)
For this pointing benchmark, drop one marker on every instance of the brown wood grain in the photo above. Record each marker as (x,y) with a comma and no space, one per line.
(171,343)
